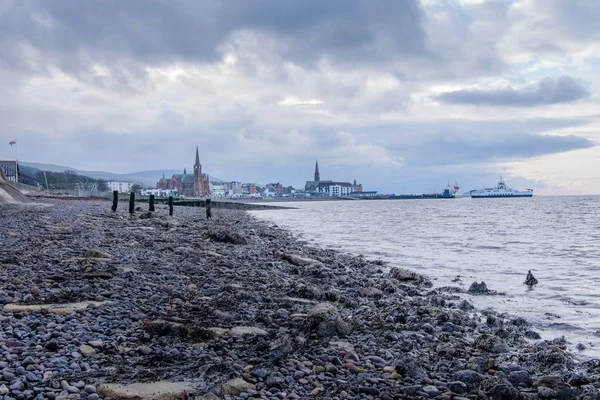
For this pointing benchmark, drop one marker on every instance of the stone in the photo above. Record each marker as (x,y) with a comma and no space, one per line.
(86,350)
(491,344)
(59,308)
(520,378)
(469,377)
(546,392)
(241,331)
(160,390)
(234,387)
(431,390)
(405,275)
(457,386)
(479,288)
(369,390)
(96,254)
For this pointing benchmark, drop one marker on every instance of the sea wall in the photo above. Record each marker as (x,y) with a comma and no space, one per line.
(100,304)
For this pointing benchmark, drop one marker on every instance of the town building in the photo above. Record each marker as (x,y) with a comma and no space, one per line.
(11,169)
(318,187)
(120,186)
(196,185)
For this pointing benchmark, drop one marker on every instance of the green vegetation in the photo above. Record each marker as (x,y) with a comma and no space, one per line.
(135,188)
(67,180)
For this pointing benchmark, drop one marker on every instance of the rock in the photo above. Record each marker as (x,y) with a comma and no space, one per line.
(241,331)
(491,344)
(299,260)
(161,390)
(96,343)
(457,386)
(469,377)
(234,387)
(90,389)
(227,236)
(431,390)
(59,309)
(544,392)
(86,350)
(499,389)
(520,378)
(479,288)
(405,275)
(96,254)
(369,390)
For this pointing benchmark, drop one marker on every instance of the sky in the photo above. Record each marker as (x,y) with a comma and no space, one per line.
(403,96)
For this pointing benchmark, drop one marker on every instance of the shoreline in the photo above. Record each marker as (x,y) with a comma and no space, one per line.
(240,309)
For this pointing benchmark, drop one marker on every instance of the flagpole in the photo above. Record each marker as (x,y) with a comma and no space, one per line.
(17,160)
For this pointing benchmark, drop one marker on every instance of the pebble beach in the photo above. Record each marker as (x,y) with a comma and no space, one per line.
(99,305)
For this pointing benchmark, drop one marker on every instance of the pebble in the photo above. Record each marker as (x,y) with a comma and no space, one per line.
(375,337)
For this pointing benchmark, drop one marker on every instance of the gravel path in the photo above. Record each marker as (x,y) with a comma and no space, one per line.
(235,308)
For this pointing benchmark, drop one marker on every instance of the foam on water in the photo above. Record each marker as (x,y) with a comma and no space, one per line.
(495,240)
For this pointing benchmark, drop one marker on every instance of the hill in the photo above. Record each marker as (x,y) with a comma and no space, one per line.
(147,178)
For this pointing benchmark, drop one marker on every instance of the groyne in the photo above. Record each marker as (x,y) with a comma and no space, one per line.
(99,304)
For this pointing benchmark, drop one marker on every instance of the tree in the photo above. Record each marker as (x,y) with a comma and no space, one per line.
(135,188)
(101,185)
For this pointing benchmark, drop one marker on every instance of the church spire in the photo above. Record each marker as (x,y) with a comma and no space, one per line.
(197,158)
(317,176)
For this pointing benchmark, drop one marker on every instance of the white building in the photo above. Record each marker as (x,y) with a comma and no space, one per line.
(218,189)
(120,186)
(160,192)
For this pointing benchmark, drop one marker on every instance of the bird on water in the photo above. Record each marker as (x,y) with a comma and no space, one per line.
(530,280)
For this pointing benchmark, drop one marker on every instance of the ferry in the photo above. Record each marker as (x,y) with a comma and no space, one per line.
(501,190)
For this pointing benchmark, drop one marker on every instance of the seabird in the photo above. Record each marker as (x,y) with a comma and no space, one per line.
(530,280)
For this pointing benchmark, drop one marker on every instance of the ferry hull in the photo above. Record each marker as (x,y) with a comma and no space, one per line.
(502,196)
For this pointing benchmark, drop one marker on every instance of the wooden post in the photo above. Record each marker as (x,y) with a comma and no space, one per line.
(171,206)
(131,202)
(115,200)
(151,202)
(208,205)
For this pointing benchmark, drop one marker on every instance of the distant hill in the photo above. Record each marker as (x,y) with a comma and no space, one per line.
(146,178)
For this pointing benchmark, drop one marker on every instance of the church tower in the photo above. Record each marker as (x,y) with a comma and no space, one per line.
(197,175)
(317,176)
(197,166)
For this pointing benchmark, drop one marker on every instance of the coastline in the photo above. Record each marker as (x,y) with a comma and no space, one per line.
(235,307)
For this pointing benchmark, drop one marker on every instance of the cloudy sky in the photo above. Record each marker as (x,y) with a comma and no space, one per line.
(404,96)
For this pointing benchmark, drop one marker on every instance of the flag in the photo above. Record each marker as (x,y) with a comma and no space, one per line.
(12,142)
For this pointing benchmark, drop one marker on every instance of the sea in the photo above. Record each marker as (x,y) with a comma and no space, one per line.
(456,242)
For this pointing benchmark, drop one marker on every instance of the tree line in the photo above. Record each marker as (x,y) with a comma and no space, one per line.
(67,180)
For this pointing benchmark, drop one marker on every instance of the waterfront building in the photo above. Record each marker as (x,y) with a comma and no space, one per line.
(318,187)
(120,186)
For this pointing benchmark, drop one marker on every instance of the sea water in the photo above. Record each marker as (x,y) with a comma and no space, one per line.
(455,242)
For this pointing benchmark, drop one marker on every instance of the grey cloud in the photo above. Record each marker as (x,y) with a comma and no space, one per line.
(461,141)
(74,34)
(459,148)
(547,91)
(558,24)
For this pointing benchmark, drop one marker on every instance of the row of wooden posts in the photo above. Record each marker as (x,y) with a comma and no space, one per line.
(208,204)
